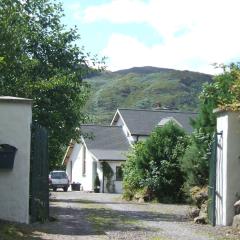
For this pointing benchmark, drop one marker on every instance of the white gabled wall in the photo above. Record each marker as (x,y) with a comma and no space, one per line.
(228,167)
(120,122)
(76,162)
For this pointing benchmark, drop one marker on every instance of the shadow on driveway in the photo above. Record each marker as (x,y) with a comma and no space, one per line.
(92,218)
(88,219)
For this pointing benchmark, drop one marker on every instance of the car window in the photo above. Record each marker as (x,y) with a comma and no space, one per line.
(58,175)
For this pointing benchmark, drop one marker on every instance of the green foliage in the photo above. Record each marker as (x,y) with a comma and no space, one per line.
(143,88)
(195,163)
(132,174)
(39,60)
(223,93)
(155,164)
(108,173)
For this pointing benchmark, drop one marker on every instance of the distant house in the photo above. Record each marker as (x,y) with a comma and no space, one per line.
(111,143)
(137,124)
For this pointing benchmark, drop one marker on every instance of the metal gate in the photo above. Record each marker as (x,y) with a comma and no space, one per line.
(213,186)
(39,191)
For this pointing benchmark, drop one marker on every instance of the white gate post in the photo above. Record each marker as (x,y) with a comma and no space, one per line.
(228,166)
(15,130)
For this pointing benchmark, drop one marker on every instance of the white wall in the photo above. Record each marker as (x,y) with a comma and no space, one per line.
(15,129)
(76,158)
(228,166)
(222,126)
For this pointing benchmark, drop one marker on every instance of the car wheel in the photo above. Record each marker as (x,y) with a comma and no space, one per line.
(65,189)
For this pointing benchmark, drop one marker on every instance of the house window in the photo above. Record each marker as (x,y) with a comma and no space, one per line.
(84,161)
(119,173)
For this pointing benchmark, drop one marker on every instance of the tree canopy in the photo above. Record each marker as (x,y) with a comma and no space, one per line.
(39,59)
(223,93)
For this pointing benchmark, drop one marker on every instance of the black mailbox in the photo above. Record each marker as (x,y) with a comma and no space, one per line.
(7,155)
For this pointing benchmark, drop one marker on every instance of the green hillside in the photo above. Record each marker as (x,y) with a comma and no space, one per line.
(144,88)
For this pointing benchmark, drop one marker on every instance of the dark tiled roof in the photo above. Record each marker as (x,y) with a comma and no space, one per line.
(142,122)
(106,142)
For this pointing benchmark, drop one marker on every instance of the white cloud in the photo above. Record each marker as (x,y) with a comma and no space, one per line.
(211,32)
(124,52)
(166,16)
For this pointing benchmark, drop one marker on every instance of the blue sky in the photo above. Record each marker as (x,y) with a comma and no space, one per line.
(185,35)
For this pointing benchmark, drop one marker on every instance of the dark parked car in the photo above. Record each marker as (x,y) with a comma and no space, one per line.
(58,179)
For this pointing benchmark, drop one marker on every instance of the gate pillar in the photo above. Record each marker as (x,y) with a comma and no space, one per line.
(15,130)
(227,166)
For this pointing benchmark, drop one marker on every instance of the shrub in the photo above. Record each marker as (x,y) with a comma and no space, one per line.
(155,164)
(132,175)
(195,162)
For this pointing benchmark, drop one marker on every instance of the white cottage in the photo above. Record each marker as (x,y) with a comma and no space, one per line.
(111,143)
(101,144)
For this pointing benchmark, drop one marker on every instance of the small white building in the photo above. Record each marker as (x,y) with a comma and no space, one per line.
(101,144)
(111,143)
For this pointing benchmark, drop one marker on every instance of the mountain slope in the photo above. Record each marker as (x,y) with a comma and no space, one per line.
(144,88)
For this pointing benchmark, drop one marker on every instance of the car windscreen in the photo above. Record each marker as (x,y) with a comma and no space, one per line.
(58,175)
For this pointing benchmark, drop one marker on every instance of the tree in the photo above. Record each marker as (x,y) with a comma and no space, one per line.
(155,164)
(195,162)
(223,93)
(40,60)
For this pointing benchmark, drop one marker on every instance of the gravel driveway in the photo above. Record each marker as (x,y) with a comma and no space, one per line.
(105,216)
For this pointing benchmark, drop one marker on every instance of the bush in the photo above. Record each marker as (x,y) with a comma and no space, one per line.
(155,165)
(195,162)
(132,176)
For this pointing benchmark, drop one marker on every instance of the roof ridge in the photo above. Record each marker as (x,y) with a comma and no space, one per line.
(99,125)
(160,110)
